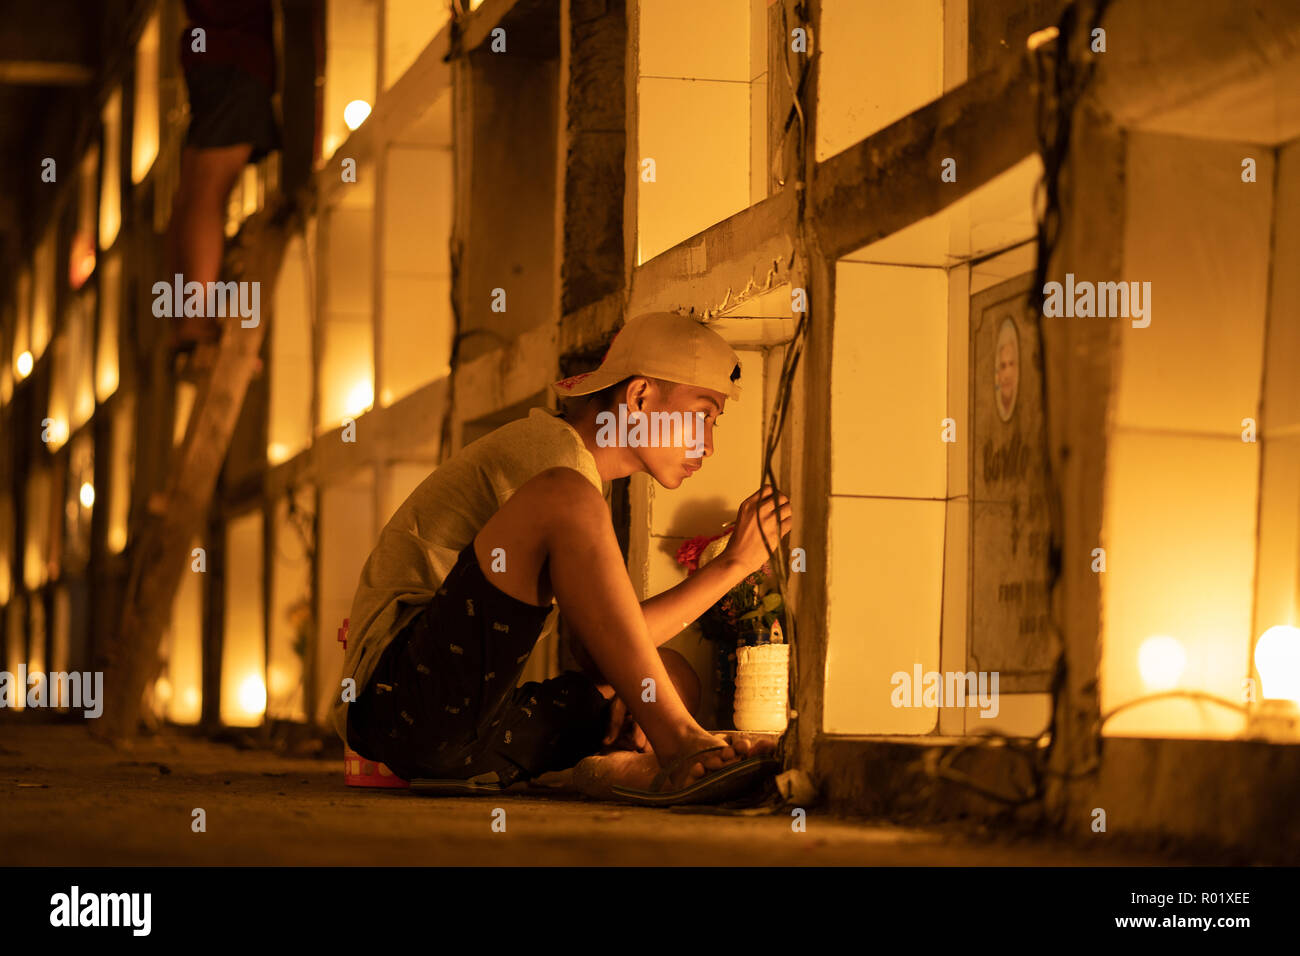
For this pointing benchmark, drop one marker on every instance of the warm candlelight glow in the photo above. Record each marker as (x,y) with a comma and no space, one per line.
(360,398)
(189,711)
(81,261)
(107,382)
(1277,658)
(110,199)
(252,695)
(1161,662)
(355,113)
(58,432)
(87,494)
(144,139)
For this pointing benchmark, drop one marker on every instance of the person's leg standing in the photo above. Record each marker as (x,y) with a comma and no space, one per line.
(232,123)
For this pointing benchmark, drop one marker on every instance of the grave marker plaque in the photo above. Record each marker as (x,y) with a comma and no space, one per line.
(1010,525)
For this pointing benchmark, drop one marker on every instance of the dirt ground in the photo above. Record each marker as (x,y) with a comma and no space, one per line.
(68,800)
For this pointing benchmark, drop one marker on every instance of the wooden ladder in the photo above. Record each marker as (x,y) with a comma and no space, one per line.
(160,552)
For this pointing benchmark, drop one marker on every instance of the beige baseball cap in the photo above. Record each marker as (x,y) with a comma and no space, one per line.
(664,345)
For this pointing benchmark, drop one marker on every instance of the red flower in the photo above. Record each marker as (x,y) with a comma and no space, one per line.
(688,555)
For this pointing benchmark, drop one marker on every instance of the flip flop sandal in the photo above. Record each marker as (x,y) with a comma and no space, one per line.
(725,784)
(483,783)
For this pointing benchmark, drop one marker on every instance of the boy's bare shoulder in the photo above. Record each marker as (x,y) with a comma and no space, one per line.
(561,479)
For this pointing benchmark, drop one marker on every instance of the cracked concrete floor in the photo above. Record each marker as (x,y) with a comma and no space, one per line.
(69,800)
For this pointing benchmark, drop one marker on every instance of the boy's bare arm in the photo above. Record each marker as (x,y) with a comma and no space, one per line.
(594,593)
(668,613)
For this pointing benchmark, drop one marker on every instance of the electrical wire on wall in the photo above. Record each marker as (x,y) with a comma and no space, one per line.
(1061,78)
(785,389)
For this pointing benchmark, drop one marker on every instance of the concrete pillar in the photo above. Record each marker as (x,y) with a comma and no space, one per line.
(593,145)
(1079,365)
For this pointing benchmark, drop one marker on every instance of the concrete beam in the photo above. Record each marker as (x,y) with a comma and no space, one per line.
(1164,54)
(424,80)
(359,146)
(731,261)
(591,325)
(408,429)
(891,179)
(507,375)
(754,333)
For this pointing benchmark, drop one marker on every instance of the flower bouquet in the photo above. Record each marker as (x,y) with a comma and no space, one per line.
(751,613)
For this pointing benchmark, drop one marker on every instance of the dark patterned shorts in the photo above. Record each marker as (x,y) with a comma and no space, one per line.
(442,701)
(228,107)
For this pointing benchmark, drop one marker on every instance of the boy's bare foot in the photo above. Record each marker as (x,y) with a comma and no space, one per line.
(692,770)
(598,774)
(737,746)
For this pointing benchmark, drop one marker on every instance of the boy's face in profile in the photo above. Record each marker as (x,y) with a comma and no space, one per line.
(697,408)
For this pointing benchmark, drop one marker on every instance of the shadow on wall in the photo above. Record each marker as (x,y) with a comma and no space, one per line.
(705,516)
